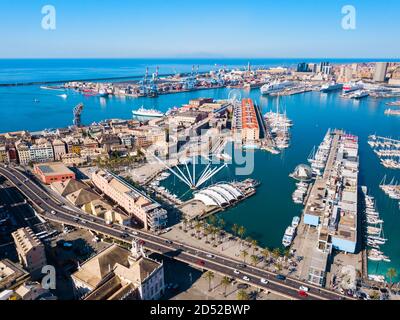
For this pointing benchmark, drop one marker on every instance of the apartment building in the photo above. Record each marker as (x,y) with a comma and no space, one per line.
(30,251)
(130,199)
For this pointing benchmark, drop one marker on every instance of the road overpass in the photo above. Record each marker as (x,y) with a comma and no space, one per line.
(54,210)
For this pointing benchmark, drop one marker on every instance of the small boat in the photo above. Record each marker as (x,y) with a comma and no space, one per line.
(295,221)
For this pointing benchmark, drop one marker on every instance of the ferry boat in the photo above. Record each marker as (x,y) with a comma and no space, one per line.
(275,87)
(333,86)
(351,86)
(103,93)
(359,94)
(147,113)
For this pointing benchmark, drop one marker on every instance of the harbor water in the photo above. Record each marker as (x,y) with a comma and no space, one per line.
(266,214)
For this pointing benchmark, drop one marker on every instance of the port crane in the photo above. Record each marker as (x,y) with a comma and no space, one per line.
(77,114)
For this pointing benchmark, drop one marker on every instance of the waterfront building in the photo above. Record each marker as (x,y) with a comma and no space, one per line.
(245,121)
(119,274)
(331,207)
(30,249)
(380,71)
(59,149)
(52,172)
(189,117)
(130,199)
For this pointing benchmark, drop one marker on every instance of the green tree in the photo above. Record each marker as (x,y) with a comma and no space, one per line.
(391,273)
(225,283)
(242,295)
(254,259)
(241,231)
(212,220)
(254,244)
(209,275)
(276,253)
(266,253)
(235,229)
(197,227)
(244,255)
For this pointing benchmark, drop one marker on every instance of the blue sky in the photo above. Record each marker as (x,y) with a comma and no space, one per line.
(217,28)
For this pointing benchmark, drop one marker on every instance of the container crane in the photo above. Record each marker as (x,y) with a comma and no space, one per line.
(77,114)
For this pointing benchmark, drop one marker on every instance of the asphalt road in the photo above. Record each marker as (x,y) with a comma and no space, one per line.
(52,209)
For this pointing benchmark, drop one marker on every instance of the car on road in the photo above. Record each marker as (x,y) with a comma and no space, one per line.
(241,265)
(264,281)
(52,212)
(246,278)
(83,221)
(236,271)
(303,293)
(211,256)
(280,277)
(168,241)
(141,242)
(200,262)
(304,288)
(76,219)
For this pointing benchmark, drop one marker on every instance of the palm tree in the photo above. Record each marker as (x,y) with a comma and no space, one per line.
(391,273)
(254,243)
(184,223)
(214,232)
(212,220)
(244,254)
(207,232)
(241,231)
(242,295)
(235,229)
(254,259)
(276,253)
(265,253)
(221,223)
(197,227)
(209,275)
(225,283)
